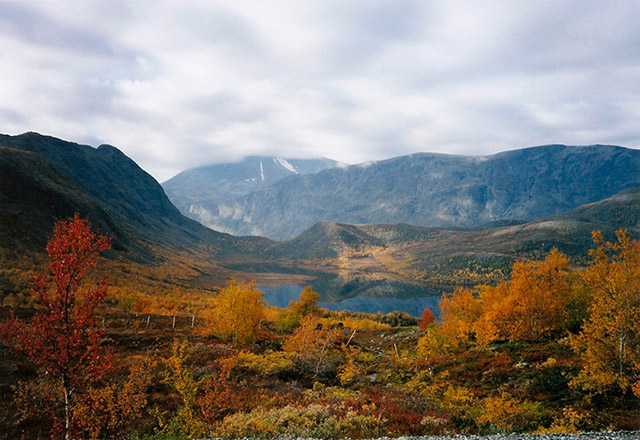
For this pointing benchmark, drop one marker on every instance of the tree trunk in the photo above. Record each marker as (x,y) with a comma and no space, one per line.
(621,350)
(67,409)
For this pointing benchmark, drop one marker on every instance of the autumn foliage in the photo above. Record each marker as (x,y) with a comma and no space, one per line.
(550,349)
(307,304)
(545,298)
(112,410)
(610,341)
(63,337)
(427,318)
(528,307)
(238,313)
(460,311)
(310,343)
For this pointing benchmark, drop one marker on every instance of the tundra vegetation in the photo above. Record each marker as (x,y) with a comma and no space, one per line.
(553,348)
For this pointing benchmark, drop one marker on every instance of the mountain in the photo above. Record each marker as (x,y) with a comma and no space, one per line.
(435,190)
(45,178)
(201,193)
(619,211)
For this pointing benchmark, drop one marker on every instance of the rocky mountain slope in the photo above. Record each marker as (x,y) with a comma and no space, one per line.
(33,193)
(201,193)
(435,190)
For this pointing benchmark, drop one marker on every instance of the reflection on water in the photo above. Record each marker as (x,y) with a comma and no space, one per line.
(412,306)
(282,295)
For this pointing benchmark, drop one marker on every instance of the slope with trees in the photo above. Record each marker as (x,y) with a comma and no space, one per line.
(516,357)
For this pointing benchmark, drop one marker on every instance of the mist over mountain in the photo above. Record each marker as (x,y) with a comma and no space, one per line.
(428,190)
(201,193)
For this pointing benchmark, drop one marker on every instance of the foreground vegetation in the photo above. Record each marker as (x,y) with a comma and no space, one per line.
(550,350)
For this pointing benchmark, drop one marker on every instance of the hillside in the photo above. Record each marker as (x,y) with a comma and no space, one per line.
(34,193)
(155,249)
(436,190)
(44,179)
(398,260)
(201,192)
(116,183)
(133,199)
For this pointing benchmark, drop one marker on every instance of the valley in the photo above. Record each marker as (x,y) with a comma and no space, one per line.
(358,330)
(323,220)
(341,261)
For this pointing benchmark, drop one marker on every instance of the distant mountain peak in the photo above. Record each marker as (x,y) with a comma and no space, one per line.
(199,192)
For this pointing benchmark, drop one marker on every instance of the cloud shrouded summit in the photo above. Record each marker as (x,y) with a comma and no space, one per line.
(177,84)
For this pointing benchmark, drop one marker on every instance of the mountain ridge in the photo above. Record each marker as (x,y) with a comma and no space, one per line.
(130,200)
(44,179)
(440,190)
(26,181)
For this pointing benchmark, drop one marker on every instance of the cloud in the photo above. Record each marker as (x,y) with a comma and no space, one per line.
(177,84)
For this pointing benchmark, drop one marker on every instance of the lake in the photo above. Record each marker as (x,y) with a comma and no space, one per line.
(282,295)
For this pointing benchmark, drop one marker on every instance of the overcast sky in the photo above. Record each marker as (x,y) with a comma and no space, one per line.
(178,84)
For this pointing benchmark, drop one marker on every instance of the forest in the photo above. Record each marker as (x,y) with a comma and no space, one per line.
(552,348)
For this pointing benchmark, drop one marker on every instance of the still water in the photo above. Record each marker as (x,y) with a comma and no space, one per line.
(282,295)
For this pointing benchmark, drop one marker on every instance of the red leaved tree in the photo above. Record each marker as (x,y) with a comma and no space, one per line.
(63,337)
(427,318)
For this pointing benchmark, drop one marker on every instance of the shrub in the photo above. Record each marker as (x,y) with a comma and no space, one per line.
(271,363)
(291,422)
(504,413)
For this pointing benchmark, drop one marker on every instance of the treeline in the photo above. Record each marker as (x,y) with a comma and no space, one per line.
(552,349)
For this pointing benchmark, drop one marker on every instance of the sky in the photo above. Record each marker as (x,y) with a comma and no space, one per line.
(180,84)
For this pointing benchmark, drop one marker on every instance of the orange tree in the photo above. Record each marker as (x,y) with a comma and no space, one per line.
(533,305)
(427,318)
(62,337)
(307,304)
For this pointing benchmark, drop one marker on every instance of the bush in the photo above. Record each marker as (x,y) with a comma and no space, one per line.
(291,422)
(399,319)
(238,314)
(271,363)
(506,414)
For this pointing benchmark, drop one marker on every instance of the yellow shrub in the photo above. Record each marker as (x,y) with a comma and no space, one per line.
(313,421)
(432,342)
(270,363)
(238,314)
(569,422)
(508,414)
(457,399)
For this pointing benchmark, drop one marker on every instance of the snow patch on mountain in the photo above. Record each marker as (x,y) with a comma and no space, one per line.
(285,164)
